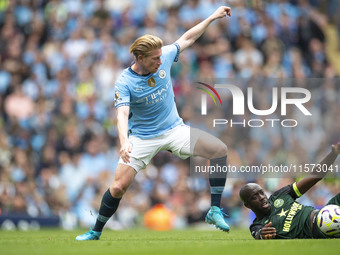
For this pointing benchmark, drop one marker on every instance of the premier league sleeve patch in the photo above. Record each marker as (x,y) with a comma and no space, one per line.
(122,96)
(116,95)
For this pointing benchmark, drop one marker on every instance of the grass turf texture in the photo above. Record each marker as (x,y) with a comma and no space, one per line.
(55,241)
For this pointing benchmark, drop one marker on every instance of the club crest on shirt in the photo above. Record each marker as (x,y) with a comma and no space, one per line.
(278,203)
(152,82)
(162,74)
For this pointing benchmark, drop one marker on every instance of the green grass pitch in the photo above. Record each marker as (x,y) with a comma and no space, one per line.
(55,241)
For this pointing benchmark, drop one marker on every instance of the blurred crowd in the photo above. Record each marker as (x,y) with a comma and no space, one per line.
(58,136)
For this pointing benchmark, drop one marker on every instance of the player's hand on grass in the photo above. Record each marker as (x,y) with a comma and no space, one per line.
(336,148)
(268,232)
(221,12)
(125,151)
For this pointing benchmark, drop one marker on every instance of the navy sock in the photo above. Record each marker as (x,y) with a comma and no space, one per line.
(217,180)
(108,207)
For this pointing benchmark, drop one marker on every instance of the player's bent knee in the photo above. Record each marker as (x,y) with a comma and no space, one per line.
(221,151)
(117,190)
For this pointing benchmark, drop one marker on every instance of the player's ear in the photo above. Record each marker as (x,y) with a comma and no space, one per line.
(246,205)
(140,58)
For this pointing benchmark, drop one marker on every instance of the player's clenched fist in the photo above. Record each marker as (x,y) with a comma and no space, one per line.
(221,12)
(336,148)
(268,232)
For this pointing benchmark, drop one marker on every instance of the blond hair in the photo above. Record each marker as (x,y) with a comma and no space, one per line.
(145,44)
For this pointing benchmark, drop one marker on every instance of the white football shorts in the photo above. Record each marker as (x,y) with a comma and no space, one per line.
(176,140)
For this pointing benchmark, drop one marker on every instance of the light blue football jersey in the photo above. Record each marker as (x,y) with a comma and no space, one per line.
(151,97)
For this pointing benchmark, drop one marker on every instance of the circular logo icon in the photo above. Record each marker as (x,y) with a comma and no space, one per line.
(278,203)
(162,74)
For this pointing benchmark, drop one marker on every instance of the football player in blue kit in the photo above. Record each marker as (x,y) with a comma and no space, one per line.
(148,122)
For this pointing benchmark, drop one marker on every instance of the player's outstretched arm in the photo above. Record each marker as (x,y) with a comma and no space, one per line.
(306,183)
(189,37)
(122,125)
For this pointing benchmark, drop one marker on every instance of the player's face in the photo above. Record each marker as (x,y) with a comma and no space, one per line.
(257,201)
(152,62)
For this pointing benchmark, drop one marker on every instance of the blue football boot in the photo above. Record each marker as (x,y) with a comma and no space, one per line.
(215,217)
(91,235)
